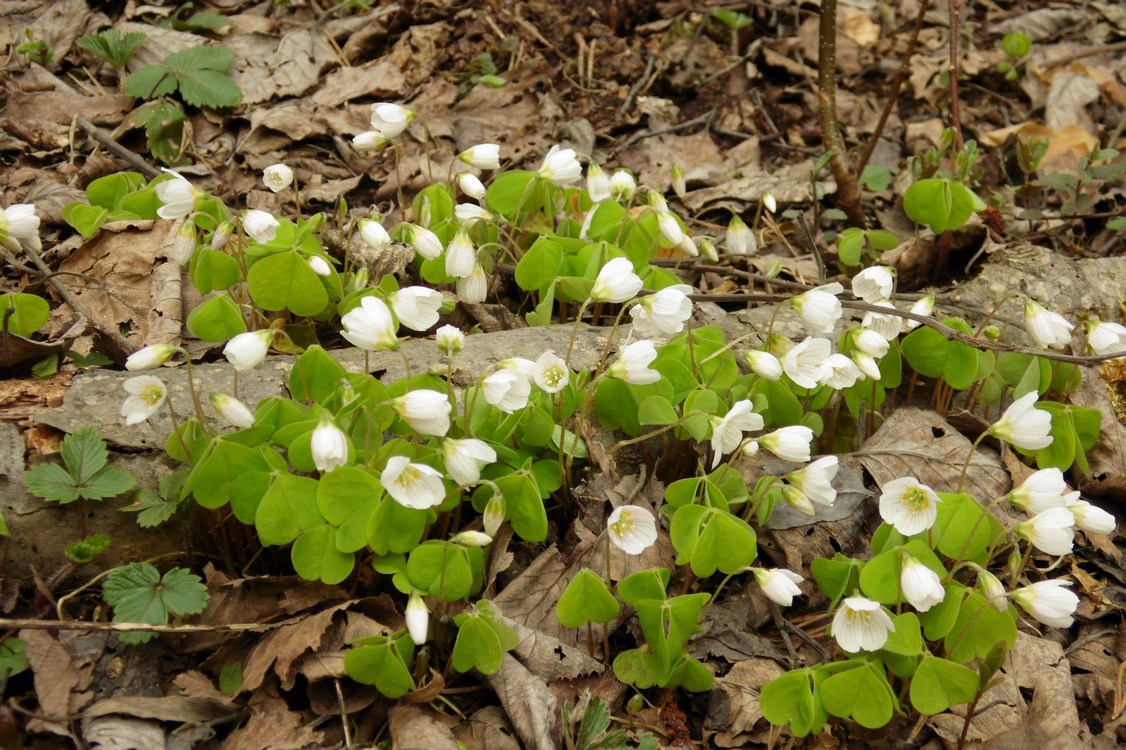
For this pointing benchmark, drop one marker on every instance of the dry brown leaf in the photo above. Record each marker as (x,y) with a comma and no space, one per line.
(527,701)
(166,317)
(487,729)
(652,160)
(280,648)
(530,598)
(177,708)
(549,658)
(1070,92)
(266,67)
(788,184)
(858,26)
(60,684)
(272,725)
(414,727)
(734,707)
(122,733)
(1065,147)
(380,81)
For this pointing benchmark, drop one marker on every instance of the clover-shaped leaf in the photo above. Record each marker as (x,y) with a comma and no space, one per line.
(586,599)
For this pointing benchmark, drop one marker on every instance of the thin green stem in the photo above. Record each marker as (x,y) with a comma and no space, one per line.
(969,458)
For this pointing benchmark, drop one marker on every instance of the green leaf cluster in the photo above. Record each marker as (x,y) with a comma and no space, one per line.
(85,475)
(112,46)
(198,74)
(138,593)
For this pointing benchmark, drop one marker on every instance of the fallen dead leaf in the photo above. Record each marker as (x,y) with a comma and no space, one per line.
(527,701)
(415,727)
(734,706)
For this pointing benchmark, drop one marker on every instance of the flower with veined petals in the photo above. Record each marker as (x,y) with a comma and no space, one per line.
(670,228)
(805,363)
(177,196)
(740,237)
(376,237)
(1023,425)
(417,617)
(920,586)
(461,256)
(370,326)
(426,411)
(861,625)
(320,266)
(19,227)
(232,410)
(869,342)
(622,185)
(149,357)
(1049,602)
(412,485)
(260,226)
(790,443)
(763,364)
(560,167)
(471,185)
(1042,490)
(183,247)
(522,365)
(923,306)
(474,288)
(873,284)
(778,584)
(616,282)
(146,396)
(992,589)
(1090,518)
(369,140)
(450,340)
(727,431)
(468,214)
(662,313)
(688,246)
(1105,338)
(632,529)
(633,362)
(551,373)
(707,249)
(597,183)
(679,183)
(908,505)
(425,242)
(493,515)
(390,119)
(277,177)
(812,484)
(248,350)
(819,308)
(416,307)
(1046,328)
(839,372)
(889,325)
(482,156)
(1051,531)
(867,366)
(507,390)
(465,458)
(329,446)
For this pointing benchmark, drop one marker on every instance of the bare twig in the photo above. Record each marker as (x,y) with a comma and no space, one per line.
(955,111)
(701,120)
(848,187)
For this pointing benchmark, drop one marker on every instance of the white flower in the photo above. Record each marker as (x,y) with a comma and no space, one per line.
(425,242)
(632,529)
(369,140)
(482,156)
(426,411)
(670,228)
(819,308)
(418,619)
(471,185)
(560,167)
(329,446)
(222,235)
(707,248)
(1051,531)
(679,185)
(474,288)
(183,247)
(1105,338)
(450,340)
(873,284)
(769,203)
(992,589)
(261,226)
(376,237)
(232,410)
(525,367)
(153,355)
(412,485)
(493,516)
(507,390)
(870,342)
(1049,602)
(861,625)
(470,213)
(622,185)
(908,505)
(920,586)
(790,443)
(390,119)
(471,539)
(663,313)
(688,246)
(633,362)
(248,350)
(740,238)
(778,584)
(1090,518)
(320,266)
(277,177)
(839,372)
(465,458)
(805,363)
(416,307)
(597,183)
(1042,490)
(19,227)
(812,484)
(727,431)
(461,256)
(146,396)
(551,373)
(923,306)
(177,196)
(1023,425)
(1046,328)
(763,364)
(868,367)
(370,325)
(616,282)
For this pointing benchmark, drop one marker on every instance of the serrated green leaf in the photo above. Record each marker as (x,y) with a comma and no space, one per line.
(51,482)
(150,82)
(138,594)
(109,482)
(84,453)
(209,88)
(203,57)
(13,658)
(85,550)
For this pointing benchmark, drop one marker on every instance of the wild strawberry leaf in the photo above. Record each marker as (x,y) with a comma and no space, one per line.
(139,594)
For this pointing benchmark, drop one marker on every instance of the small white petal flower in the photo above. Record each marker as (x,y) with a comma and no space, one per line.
(418,619)
(992,590)
(839,372)
(19,227)
(248,350)
(670,228)
(1090,518)
(812,484)
(425,242)
(1051,531)
(622,185)
(819,308)
(1042,490)
(493,516)
(1105,338)
(861,625)
(560,167)
(597,183)
(679,184)
(551,373)
(153,355)
(778,584)
(472,539)
(616,282)
(183,247)
(1046,328)
(1023,425)
(867,366)
(412,485)
(320,266)
(789,443)
(370,325)
(146,396)
(426,411)
(471,185)
(390,119)
(632,529)
(416,307)
(261,226)
(461,256)
(277,177)
(1049,602)
(920,586)
(763,364)
(464,459)
(468,214)
(922,306)
(633,362)
(873,284)
(727,431)
(450,340)
(769,203)
(474,288)
(707,249)
(482,156)
(370,140)
(177,196)
(870,342)
(805,363)
(222,235)
(889,325)
(663,313)
(376,237)
(688,246)
(232,410)
(507,390)
(522,365)
(908,505)
(329,446)
(741,238)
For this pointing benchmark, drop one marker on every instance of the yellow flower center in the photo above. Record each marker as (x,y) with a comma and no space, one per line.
(916,499)
(623,525)
(151,394)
